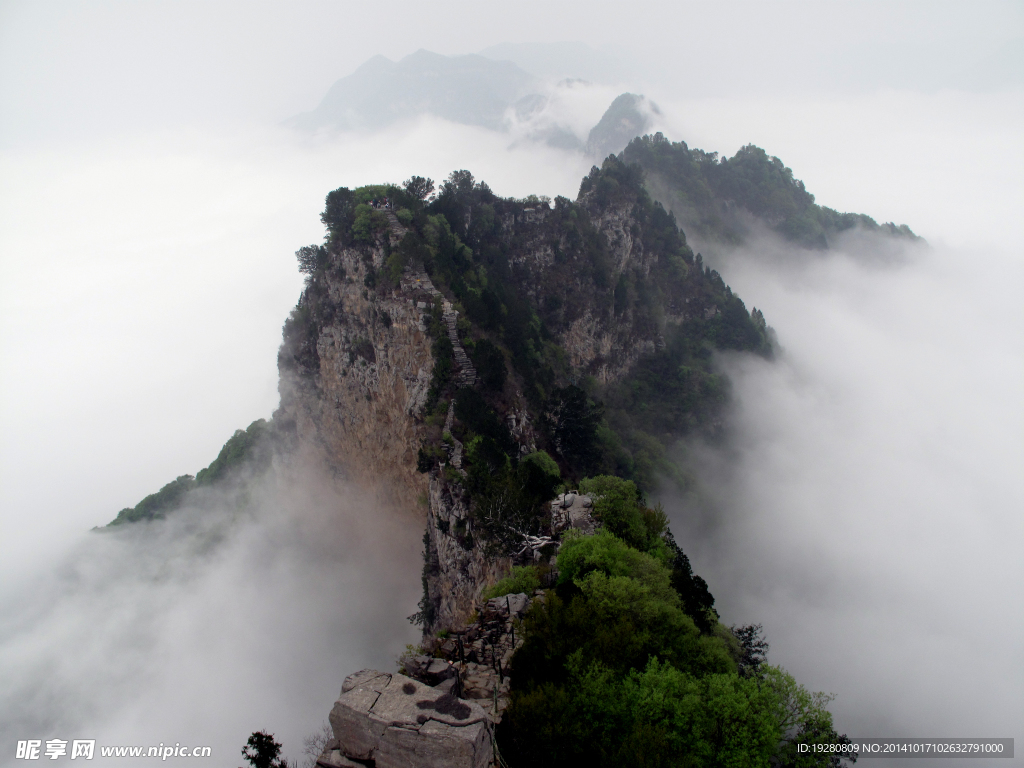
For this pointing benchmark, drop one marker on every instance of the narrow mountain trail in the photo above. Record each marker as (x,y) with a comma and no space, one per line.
(466,373)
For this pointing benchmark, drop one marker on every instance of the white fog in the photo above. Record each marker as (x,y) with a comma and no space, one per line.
(867,507)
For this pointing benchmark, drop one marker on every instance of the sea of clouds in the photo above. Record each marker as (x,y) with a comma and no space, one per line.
(146,283)
(865,508)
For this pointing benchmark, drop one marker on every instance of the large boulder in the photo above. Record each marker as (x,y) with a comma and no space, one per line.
(398,722)
(573,510)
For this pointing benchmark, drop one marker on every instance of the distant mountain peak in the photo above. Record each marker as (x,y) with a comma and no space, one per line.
(468,89)
(629,115)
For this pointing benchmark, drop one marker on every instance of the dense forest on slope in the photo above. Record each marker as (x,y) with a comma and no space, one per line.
(621,666)
(717,196)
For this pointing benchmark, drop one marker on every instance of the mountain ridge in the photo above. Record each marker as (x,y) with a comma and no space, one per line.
(718,198)
(466,357)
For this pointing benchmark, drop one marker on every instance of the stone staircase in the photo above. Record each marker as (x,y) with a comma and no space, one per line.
(418,280)
(455,455)
(467,373)
(473,662)
(398,230)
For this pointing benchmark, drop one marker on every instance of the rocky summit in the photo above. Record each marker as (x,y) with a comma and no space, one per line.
(388,720)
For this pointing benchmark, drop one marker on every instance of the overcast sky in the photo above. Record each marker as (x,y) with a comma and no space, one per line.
(150,207)
(74,68)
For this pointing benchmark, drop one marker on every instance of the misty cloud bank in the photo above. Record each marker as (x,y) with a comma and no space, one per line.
(866,512)
(242,611)
(865,506)
(146,281)
(145,285)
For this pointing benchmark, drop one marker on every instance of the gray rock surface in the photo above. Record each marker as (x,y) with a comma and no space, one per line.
(571,510)
(333,758)
(398,722)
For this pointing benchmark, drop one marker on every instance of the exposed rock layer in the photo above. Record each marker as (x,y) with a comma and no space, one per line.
(392,721)
(363,404)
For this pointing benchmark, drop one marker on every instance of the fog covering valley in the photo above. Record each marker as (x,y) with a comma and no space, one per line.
(864,505)
(208,622)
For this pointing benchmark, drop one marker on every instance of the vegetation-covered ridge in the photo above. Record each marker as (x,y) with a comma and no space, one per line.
(536,282)
(716,196)
(625,661)
(591,327)
(251,448)
(595,311)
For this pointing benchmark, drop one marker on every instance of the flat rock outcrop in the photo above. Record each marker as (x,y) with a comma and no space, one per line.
(388,720)
(573,510)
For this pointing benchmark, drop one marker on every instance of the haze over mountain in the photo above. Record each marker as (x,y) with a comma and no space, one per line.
(490,92)
(866,499)
(470,89)
(570,59)
(717,202)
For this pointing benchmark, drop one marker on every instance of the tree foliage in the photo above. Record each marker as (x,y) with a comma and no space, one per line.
(249,449)
(249,445)
(311,258)
(618,506)
(614,672)
(708,190)
(490,365)
(572,419)
(158,504)
(539,474)
(524,579)
(754,649)
(262,751)
(419,187)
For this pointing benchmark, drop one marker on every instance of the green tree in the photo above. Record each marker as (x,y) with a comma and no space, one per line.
(261,751)
(490,364)
(523,579)
(338,215)
(539,474)
(697,599)
(572,419)
(803,718)
(157,505)
(754,649)
(311,258)
(617,505)
(581,555)
(419,187)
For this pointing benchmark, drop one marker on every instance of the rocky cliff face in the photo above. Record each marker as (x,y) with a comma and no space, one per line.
(458,573)
(358,390)
(597,339)
(552,293)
